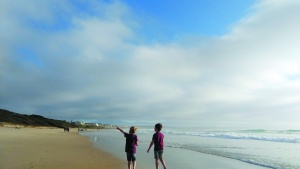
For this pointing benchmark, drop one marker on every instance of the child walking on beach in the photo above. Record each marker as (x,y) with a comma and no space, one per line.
(158,141)
(130,147)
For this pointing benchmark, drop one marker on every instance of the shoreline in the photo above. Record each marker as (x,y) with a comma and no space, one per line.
(174,157)
(50,148)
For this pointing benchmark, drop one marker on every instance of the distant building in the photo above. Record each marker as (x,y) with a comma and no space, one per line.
(92,124)
(78,123)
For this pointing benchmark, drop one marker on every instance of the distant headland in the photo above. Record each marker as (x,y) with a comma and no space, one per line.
(12,119)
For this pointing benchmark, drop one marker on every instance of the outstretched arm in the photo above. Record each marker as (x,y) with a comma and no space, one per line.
(151,144)
(120,130)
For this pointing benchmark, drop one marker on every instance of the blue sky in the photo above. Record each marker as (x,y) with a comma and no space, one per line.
(170,19)
(218,62)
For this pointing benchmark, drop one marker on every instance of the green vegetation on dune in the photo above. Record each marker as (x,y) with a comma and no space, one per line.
(30,120)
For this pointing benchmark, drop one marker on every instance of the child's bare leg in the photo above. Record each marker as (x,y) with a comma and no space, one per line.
(163,162)
(129,163)
(156,163)
(133,164)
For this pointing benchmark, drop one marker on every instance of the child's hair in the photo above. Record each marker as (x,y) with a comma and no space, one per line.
(158,126)
(132,129)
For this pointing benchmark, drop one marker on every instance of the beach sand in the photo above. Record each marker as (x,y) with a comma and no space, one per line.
(33,148)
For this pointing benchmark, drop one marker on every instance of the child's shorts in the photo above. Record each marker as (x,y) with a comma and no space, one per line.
(131,157)
(158,154)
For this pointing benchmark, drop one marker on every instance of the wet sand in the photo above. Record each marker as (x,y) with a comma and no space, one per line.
(33,148)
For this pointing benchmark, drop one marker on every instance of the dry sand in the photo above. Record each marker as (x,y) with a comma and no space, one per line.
(32,148)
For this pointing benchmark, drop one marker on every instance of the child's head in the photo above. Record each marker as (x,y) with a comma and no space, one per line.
(132,129)
(158,127)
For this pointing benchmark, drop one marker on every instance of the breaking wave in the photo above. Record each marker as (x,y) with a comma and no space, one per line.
(246,135)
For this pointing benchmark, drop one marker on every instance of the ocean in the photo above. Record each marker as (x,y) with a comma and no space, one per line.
(196,148)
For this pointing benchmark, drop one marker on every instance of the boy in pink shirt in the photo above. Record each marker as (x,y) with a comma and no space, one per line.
(158,141)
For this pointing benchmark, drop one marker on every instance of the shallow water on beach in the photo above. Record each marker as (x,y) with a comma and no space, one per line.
(190,148)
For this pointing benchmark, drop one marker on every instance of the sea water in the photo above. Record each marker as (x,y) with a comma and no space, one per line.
(188,147)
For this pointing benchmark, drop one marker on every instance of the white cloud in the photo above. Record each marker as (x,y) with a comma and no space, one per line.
(96,69)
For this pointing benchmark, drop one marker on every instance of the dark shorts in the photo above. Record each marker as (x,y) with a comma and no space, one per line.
(158,154)
(131,157)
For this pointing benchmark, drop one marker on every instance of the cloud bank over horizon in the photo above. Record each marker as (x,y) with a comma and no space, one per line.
(92,64)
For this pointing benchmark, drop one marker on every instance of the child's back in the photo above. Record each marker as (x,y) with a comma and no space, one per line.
(130,146)
(158,141)
(131,142)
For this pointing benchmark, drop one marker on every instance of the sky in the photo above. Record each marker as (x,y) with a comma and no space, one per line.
(195,62)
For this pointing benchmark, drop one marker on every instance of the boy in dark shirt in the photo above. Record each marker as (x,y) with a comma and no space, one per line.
(158,141)
(130,148)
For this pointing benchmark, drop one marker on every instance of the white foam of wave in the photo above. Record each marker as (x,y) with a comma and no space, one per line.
(233,135)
